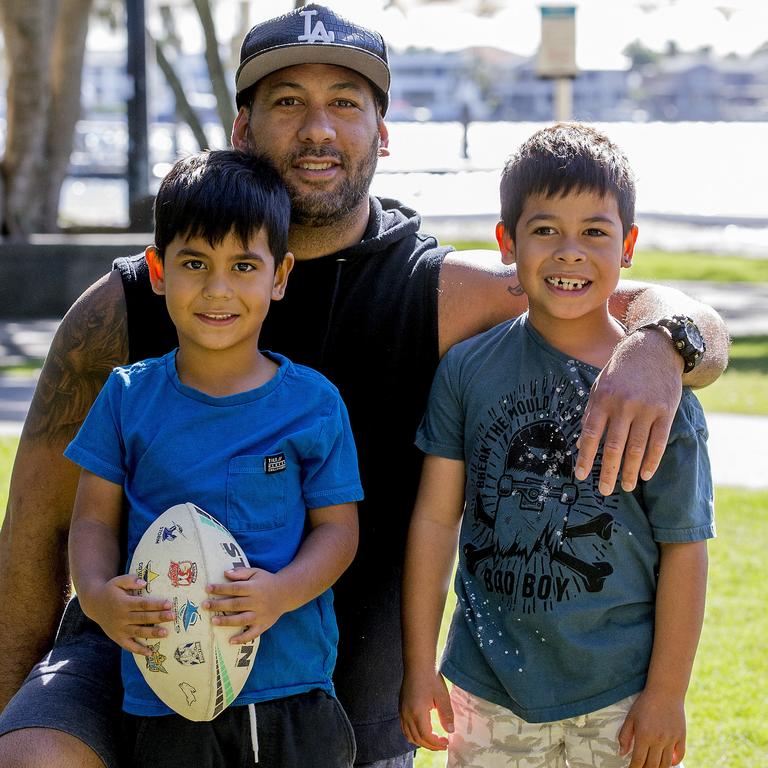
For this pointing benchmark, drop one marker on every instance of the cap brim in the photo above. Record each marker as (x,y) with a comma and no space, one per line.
(264,63)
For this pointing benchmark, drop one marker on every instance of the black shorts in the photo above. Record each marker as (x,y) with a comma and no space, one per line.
(309,729)
(76,688)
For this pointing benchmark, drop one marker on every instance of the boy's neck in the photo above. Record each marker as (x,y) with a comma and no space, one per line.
(224,373)
(590,338)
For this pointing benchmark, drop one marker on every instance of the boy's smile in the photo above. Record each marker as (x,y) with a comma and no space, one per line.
(568,250)
(218,296)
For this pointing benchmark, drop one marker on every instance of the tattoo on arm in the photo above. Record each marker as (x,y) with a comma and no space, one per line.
(516,290)
(90,342)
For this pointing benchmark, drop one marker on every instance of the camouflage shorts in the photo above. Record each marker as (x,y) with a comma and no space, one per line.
(489,736)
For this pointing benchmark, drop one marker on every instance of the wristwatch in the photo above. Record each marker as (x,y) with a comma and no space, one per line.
(685,336)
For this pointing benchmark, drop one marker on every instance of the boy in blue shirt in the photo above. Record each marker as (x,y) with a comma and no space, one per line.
(262,444)
(578,614)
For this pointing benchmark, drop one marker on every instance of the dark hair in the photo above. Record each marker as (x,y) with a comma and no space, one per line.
(563,158)
(214,193)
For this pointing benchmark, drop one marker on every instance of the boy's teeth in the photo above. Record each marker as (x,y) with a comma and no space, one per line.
(565,284)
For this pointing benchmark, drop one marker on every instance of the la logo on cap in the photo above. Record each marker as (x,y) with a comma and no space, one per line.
(318,34)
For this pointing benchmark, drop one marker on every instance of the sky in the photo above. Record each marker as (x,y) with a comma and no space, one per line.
(604,27)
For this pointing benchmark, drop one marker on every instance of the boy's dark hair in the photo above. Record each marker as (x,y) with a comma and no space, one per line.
(214,193)
(561,159)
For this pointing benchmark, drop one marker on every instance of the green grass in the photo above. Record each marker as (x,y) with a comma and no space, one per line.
(727,702)
(28,367)
(743,388)
(7,452)
(663,265)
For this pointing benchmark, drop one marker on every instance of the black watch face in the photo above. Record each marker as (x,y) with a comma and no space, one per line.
(694,336)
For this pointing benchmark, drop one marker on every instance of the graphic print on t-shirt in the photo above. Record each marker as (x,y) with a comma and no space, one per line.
(538,537)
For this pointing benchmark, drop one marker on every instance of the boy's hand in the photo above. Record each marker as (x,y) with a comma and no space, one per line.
(656,725)
(125,616)
(252,600)
(419,695)
(632,404)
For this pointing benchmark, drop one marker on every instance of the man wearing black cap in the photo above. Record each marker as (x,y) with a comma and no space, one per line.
(373,303)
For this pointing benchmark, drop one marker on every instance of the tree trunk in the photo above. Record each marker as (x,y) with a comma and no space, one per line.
(66,80)
(45,43)
(224,98)
(183,107)
(27,25)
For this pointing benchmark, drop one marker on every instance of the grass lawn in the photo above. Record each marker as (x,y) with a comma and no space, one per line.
(743,388)
(727,702)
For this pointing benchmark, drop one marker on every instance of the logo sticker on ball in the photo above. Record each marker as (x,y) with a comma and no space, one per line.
(189,613)
(189,654)
(169,533)
(145,572)
(183,573)
(155,661)
(189,692)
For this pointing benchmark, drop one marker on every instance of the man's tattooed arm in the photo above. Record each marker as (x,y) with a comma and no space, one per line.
(90,341)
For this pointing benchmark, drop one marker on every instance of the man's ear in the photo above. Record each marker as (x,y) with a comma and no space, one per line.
(281,277)
(506,244)
(156,270)
(241,130)
(629,247)
(383,138)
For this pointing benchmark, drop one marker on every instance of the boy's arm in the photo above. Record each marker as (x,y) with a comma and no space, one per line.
(633,401)
(656,722)
(258,598)
(429,557)
(94,556)
(90,341)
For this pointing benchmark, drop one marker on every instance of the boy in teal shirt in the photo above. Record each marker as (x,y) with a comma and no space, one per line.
(578,614)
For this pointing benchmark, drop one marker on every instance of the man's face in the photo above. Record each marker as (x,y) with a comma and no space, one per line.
(320,126)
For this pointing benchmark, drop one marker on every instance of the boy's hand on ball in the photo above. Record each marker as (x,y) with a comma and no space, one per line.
(126,613)
(252,600)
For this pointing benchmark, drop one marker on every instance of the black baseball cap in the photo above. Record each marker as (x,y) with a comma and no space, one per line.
(313,34)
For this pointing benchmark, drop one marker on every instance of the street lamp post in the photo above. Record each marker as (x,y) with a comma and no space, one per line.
(556,59)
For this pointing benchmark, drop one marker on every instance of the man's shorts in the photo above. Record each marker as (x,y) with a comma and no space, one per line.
(308,729)
(76,688)
(490,735)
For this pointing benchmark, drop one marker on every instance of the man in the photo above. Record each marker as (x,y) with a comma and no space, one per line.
(373,304)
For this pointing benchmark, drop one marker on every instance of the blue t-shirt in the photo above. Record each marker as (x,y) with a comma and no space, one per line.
(167,443)
(556,584)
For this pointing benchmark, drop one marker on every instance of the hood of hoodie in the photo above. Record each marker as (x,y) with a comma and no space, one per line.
(389,221)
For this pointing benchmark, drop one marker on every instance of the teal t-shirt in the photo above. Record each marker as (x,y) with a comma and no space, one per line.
(555,584)
(256,461)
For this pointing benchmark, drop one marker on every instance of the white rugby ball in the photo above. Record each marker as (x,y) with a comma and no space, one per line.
(194,669)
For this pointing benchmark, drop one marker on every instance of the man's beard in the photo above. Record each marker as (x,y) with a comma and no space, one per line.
(320,207)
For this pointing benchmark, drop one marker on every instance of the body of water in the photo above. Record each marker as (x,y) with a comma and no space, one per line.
(700,185)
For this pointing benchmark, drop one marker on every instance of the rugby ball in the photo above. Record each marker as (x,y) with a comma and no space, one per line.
(194,669)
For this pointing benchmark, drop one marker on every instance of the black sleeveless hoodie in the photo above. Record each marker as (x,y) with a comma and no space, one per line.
(366,317)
